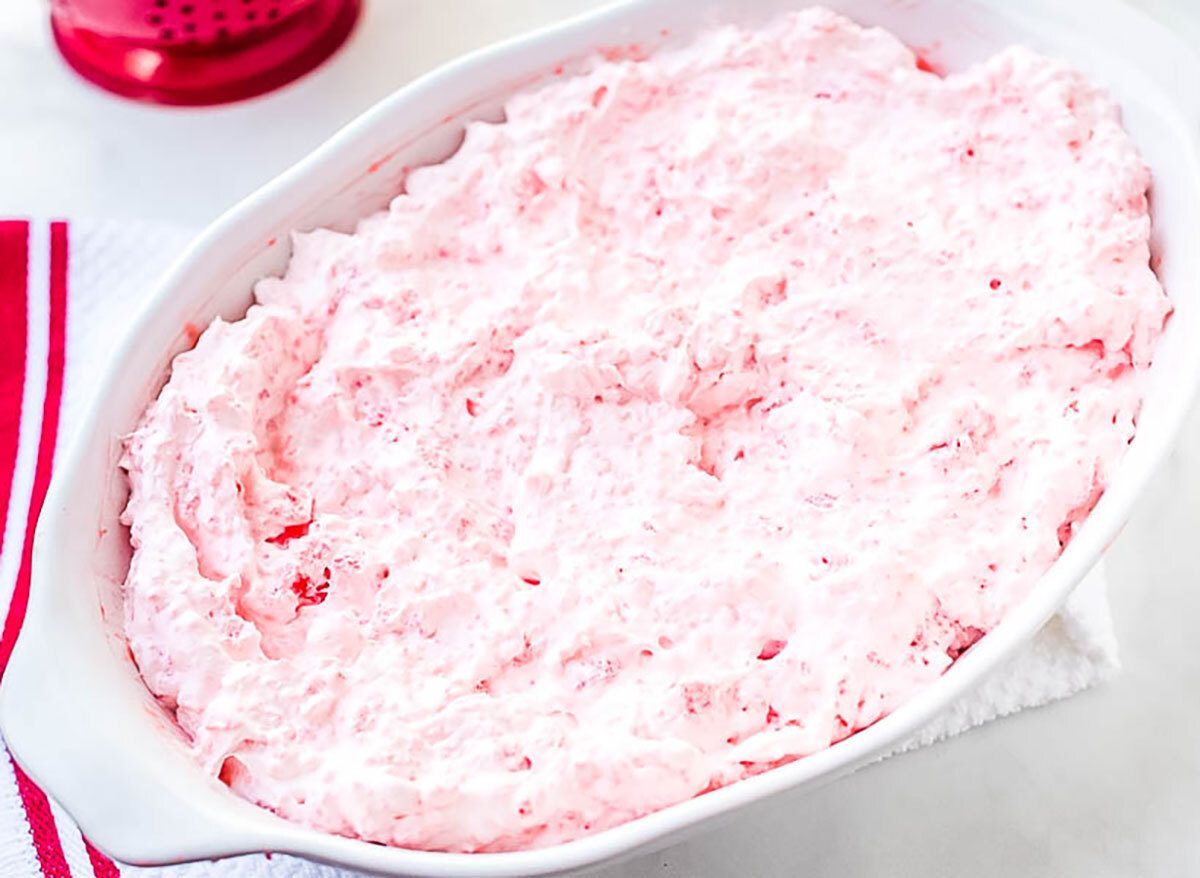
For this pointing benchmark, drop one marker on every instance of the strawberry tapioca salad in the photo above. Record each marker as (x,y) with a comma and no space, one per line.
(679,426)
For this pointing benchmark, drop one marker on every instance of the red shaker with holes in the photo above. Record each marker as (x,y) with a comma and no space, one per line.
(198,51)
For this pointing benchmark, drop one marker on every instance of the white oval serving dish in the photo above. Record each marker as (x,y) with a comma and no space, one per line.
(74,711)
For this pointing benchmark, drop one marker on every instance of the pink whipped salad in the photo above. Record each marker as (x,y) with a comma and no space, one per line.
(681,425)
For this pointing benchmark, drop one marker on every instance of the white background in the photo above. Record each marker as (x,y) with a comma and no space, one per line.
(1105,784)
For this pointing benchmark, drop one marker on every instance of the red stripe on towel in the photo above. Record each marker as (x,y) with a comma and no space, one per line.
(101,865)
(41,826)
(49,435)
(37,807)
(14,305)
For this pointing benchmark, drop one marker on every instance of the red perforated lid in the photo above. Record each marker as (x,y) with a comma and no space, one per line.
(198,51)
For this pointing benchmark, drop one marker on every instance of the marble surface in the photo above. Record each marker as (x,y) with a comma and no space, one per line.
(1104,784)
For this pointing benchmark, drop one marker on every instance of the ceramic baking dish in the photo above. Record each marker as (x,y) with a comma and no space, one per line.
(73,709)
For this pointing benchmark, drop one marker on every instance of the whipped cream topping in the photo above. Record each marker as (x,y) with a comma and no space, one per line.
(679,426)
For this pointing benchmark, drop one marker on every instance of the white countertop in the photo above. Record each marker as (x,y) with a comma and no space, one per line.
(1104,784)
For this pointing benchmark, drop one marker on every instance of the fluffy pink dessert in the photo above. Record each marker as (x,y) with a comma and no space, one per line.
(686,422)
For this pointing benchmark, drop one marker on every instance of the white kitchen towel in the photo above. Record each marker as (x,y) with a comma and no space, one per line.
(67,292)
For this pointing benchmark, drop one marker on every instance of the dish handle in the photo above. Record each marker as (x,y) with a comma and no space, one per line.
(73,715)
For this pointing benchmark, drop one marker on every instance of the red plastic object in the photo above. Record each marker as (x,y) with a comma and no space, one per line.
(198,51)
